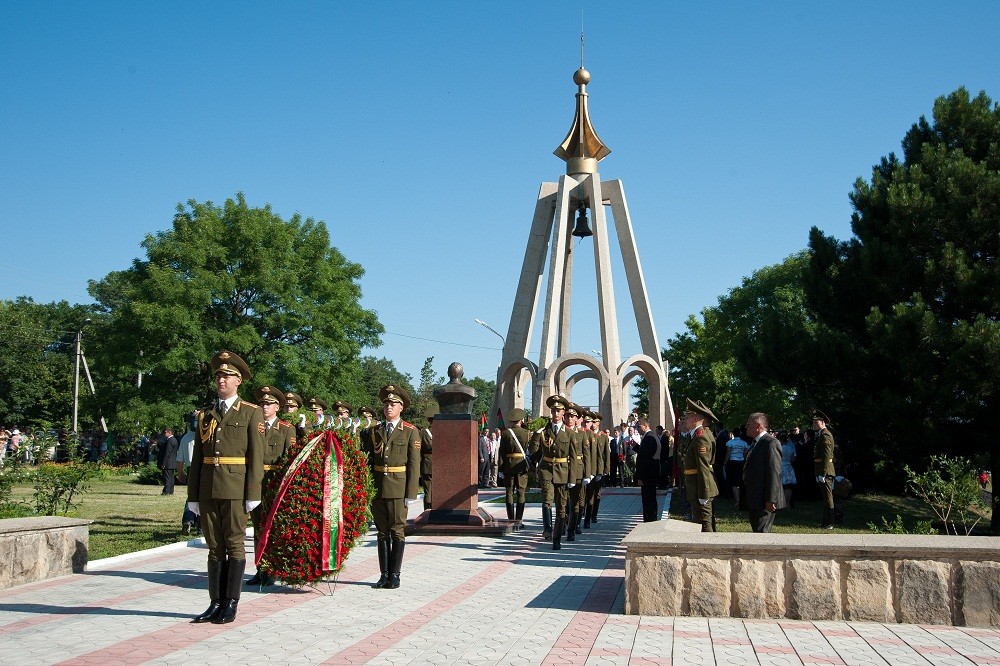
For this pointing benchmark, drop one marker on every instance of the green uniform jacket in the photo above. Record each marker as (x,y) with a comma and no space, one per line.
(823,454)
(401,452)
(559,449)
(426,450)
(278,441)
(699,457)
(513,458)
(588,443)
(603,454)
(240,434)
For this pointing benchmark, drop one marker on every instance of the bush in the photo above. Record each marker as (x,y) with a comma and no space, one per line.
(950,489)
(149,475)
(897,527)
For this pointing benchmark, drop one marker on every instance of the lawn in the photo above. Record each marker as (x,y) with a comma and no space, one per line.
(127,516)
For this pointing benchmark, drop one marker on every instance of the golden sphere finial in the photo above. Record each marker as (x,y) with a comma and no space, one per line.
(581,77)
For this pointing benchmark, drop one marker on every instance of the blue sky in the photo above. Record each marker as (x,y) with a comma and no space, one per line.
(420,132)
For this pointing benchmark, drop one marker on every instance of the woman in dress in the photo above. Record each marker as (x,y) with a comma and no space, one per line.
(736,451)
(788,479)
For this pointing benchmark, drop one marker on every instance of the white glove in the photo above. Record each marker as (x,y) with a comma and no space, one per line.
(571,485)
(703,502)
(820,479)
(407,501)
(302,421)
(193,507)
(251,505)
(586,480)
(597,478)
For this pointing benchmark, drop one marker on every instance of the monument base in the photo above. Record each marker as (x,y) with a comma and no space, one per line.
(454,522)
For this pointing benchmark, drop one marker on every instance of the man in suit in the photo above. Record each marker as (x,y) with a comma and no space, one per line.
(647,470)
(279,438)
(514,462)
(699,458)
(167,460)
(762,474)
(393,449)
(823,446)
(554,447)
(484,458)
(224,484)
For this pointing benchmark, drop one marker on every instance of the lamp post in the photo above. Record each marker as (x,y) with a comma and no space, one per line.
(490,328)
(76,372)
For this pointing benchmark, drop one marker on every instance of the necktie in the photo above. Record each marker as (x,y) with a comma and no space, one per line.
(223,408)
(388,430)
(267,427)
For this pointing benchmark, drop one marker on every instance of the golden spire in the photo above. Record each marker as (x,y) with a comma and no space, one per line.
(582,149)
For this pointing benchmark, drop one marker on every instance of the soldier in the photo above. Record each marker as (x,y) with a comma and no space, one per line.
(279,438)
(366,417)
(394,455)
(342,414)
(602,466)
(318,408)
(426,449)
(699,457)
(585,469)
(553,447)
(823,446)
(293,401)
(514,462)
(224,483)
(577,477)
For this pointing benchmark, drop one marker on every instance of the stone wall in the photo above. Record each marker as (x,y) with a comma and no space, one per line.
(670,570)
(45,547)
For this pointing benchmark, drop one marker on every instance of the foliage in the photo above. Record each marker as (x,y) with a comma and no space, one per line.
(235,277)
(909,308)
(37,346)
(149,475)
(423,399)
(485,388)
(374,374)
(897,527)
(950,488)
(56,485)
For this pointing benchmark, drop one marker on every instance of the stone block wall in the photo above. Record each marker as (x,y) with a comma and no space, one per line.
(881,578)
(38,548)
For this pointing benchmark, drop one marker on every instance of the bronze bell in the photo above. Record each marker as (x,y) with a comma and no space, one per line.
(582,228)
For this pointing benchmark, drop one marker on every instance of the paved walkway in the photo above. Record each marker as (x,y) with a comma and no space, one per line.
(462,601)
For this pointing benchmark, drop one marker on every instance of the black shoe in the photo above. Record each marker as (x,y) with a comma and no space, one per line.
(257,579)
(210,613)
(234,585)
(395,563)
(215,583)
(393,583)
(557,534)
(186,529)
(228,612)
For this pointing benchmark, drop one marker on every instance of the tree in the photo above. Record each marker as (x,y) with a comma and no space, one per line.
(424,396)
(909,306)
(37,346)
(239,278)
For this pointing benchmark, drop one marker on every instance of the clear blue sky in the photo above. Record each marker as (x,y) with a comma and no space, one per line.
(420,132)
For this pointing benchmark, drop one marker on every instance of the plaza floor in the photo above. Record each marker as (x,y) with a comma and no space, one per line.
(467,600)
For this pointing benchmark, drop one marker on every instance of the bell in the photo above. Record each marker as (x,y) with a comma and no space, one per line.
(582,228)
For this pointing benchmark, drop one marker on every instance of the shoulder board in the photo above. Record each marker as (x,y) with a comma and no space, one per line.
(697,431)
(285,423)
(406,424)
(248,404)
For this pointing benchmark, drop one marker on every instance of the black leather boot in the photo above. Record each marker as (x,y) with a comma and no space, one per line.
(571,527)
(546,522)
(586,516)
(256,579)
(383,562)
(214,588)
(395,563)
(234,584)
(579,519)
(510,511)
(593,512)
(557,534)
(519,511)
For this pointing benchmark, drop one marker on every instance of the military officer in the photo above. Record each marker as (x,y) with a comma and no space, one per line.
(320,420)
(823,466)
(552,447)
(342,414)
(366,417)
(426,450)
(514,462)
(699,457)
(602,467)
(224,482)
(582,472)
(293,402)
(393,449)
(279,438)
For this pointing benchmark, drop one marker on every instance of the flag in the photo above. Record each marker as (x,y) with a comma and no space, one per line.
(482,422)
(500,419)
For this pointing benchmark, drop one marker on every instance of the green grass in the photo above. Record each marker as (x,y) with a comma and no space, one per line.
(127,516)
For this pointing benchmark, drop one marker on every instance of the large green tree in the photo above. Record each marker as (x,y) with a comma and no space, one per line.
(910,340)
(235,277)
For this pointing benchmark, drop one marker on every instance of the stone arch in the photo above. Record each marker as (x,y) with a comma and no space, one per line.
(546,386)
(661,411)
(509,386)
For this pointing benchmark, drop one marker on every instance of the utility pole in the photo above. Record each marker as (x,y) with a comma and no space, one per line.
(76,372)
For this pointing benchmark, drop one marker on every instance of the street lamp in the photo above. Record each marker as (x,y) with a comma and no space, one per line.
(76,371)
(490,328)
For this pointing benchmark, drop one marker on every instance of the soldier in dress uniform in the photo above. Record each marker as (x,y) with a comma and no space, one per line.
(293,401)
(393,450)
(318,407)
(699,457)
(426,451)
(585,464)
(602,467)
(366,417)
(279,438)
(342,414)
(224,482)
(552,447)
(514,462)
(823,447)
